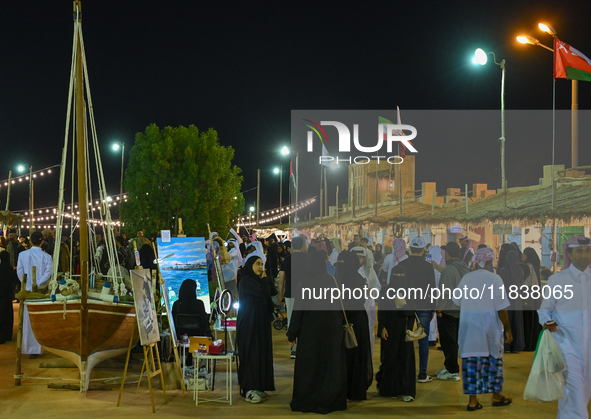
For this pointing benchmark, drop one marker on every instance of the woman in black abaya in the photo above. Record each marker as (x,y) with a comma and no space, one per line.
(512,275)
(397,374)
(253,331)
(320,375)
(359,365)
(8,281)
(531,324)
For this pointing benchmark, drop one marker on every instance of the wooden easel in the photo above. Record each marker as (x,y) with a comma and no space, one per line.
(150,367)
(177,363)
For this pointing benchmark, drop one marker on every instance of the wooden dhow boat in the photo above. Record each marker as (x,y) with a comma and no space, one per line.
(76,321)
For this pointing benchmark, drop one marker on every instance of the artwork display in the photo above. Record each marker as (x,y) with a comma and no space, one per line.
(188,262)
(145,307)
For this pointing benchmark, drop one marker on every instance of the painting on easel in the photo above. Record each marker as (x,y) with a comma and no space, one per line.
(188,262)
(145,307)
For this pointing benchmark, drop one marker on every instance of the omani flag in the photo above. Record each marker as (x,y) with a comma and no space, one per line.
(570,63)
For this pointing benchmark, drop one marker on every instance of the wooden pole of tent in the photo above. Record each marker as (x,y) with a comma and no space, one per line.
(466,195)
(375,214)
(337,202)
(19,336)
(8,191)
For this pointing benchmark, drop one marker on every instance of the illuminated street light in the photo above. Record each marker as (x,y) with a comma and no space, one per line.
(116,147)
(480,57)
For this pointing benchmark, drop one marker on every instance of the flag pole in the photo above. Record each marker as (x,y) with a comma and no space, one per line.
(553,140)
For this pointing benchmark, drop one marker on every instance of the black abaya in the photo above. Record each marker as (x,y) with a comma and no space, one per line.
(397,374)
(359,362)
(8,280)
(253,332)
(320,374)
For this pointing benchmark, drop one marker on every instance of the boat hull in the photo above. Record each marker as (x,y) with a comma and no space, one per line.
(110,327)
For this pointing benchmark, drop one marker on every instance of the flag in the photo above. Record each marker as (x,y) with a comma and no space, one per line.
(402,148)
(570,63)
(292,177)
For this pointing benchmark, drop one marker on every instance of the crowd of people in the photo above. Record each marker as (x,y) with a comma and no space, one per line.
(474,334)
(18,256)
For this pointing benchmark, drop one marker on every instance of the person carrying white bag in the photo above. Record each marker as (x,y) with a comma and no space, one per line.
(546,382)
(566,312)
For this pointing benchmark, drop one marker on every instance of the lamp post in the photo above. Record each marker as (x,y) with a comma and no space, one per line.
(251,209)
(21,169)
(480,57)
(525,39)
(280,171)
(116,147)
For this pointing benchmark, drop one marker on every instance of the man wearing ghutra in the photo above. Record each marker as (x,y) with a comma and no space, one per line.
(367,272)
(569,319)
(481,331)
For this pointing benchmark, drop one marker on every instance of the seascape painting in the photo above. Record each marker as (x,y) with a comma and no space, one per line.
(188,261)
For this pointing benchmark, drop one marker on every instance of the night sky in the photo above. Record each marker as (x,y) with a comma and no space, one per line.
(241,67)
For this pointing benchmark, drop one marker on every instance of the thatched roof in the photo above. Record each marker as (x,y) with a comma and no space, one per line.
(524,206)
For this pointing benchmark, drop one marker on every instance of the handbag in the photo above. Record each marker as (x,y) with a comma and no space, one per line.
(417,334)
(350,340)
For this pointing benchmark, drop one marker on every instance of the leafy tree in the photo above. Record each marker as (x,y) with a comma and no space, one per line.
(181,173)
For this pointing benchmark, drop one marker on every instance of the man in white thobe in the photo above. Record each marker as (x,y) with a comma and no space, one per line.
(369,274)
(26,260)
(569,318)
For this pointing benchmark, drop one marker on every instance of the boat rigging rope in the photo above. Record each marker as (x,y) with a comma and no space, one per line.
(105,214)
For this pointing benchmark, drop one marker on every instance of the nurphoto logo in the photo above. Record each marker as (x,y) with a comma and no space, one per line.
(388,133)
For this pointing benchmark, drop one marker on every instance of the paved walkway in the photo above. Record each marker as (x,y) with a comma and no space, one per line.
(438,399)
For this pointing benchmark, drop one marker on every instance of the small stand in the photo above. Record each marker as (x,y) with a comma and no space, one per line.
(150,367)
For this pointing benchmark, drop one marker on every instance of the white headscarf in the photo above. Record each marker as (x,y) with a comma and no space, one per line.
(436,254)
(366,269)
(259,246)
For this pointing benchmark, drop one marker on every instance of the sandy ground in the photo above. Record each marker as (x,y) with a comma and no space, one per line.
(436,399)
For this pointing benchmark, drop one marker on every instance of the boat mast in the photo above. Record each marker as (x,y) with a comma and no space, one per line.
(82,198)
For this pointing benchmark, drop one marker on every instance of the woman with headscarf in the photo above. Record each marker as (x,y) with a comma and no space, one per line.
(531,324)
(359,362)
(397,374)
(320,374)
(378,258)
(8,281)
(512,276)
(253,330)
(188,303)
(505,248)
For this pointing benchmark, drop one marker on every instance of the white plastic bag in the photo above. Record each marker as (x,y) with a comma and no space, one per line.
(546,382)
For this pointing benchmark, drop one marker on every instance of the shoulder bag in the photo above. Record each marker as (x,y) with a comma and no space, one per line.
(417,334)
(350,339)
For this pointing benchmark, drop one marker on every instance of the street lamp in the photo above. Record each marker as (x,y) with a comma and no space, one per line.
(525,39)
(116,147)
(251,210)
(280,171)
(480,57)
(286,151)
(21,168)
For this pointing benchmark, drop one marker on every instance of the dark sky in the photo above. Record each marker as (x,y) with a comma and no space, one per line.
(241,67)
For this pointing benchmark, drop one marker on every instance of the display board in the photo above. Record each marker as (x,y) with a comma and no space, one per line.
(145,308)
